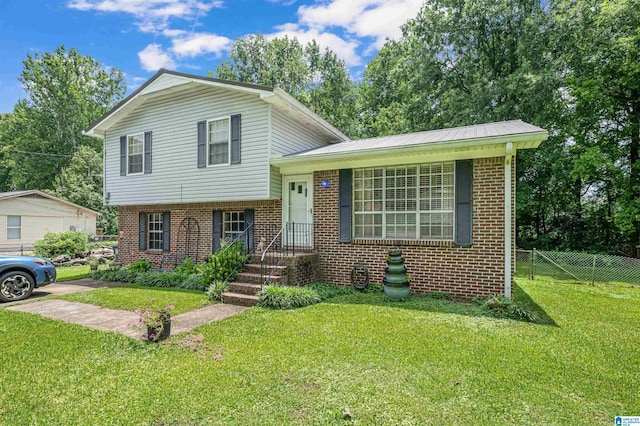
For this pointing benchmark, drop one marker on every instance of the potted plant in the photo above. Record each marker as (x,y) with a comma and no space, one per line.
(157,321)
(93,263)
(396,282)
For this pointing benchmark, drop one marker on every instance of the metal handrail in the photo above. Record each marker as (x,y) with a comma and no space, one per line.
(263,266)
(231,244)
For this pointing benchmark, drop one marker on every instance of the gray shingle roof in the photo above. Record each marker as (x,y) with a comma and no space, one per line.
(456,134)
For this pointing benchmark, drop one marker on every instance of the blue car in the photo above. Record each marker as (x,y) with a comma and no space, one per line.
(19,275)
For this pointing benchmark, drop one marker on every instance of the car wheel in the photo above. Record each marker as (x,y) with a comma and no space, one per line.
(16,285)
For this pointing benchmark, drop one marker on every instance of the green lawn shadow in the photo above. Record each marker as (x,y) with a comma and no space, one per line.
(442,303)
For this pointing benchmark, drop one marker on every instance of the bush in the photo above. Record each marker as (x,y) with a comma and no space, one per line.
(58,243)
(327,291)
(118,274)
(502,307)
(215,290)
(98,244)
(278,297)
(187,267)
(140,265)
(193,282)
(224,264)
(170,279)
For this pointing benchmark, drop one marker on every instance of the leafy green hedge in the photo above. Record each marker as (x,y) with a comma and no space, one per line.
(58,243)
(137,273)
(224,264)
(279,297)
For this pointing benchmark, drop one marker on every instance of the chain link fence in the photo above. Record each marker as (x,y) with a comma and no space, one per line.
(579,267)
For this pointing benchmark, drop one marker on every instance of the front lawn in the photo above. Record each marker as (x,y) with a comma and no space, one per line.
(135,296)
(70,273)
(389,363)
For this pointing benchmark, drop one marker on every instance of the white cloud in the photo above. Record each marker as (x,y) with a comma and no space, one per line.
(199,43)
(154,57)
(344,49)
(152,15)
(378,19)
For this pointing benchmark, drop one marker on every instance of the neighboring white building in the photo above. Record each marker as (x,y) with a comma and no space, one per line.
(26,216)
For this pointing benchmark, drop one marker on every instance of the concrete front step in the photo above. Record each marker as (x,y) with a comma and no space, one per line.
(252,277)
(231,298)
(244,288)
(255,268)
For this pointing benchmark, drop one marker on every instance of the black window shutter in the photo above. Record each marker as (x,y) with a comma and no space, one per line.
(202,144)
(249,217)
(344,214)
(235,139)
(464,203)
(147,152)
(142,231)
(166,231)
(123,155)
(217,230)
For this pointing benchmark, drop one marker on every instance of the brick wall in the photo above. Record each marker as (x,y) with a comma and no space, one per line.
(438,266)
(267,217)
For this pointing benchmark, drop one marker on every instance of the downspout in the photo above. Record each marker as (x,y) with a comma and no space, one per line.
(508,201)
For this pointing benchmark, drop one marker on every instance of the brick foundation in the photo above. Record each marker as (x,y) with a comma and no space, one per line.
(267,218)
(434,266)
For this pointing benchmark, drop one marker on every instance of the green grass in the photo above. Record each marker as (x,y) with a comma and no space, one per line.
(424,361)
(70,273)
(135,296)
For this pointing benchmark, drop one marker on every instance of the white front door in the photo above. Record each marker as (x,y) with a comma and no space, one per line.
(298,210)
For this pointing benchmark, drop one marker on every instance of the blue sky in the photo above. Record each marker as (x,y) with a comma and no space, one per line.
(140,36)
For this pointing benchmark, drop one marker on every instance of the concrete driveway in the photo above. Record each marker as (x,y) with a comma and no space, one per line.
(61,289)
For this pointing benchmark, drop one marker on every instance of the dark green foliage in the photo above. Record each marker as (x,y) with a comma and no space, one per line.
(279,297)
(327,291)
(58,243)
(170,279)
(502,307)
(224,264)
(188,267)
(215,290)
(116,274)
(192,282)
(140,265)
(98,244)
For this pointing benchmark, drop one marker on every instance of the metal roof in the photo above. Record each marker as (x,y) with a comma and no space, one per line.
(515,128)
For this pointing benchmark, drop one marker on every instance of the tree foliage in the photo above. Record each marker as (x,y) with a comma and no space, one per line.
(42,142)
(316,78)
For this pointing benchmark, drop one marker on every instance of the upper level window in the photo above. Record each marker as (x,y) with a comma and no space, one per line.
(409,202)
(135,154)
(218,141)
(154,231)
(14,227)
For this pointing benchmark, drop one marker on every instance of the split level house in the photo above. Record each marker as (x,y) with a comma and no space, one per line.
(192,162)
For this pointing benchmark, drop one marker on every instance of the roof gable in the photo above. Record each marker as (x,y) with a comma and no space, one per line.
(165,80)
(17,194)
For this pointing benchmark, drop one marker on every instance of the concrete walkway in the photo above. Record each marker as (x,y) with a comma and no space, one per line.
(115,320)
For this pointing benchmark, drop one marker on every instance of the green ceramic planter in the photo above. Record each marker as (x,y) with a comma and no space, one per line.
(396,284)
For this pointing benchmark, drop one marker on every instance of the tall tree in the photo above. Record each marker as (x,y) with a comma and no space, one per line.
(66,92)
(316,78)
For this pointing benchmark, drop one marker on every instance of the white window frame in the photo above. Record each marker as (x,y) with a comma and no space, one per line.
(141,135)
(151,218)
(208,141)
(227,222)
(418,211)
(19,227)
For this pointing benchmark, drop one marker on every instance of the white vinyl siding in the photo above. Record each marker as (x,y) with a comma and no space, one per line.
(218,141)
(173,118)
(14,227)
(409,202)
(135,154)
(290,136)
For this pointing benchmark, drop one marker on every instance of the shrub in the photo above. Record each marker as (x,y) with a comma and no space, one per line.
(98,244)
(224,264)
(170,279)
(118,274)
(187,267)
(279,297)
(58,243)
(215,290)
(327,291)
(140,265)
(193,282)
(503,307)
